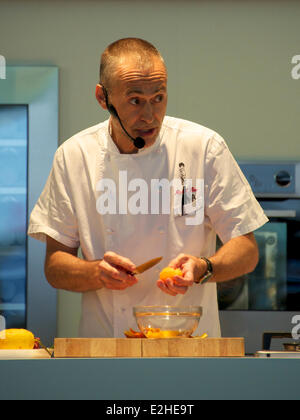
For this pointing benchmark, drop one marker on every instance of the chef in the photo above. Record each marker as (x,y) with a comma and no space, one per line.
(138,186)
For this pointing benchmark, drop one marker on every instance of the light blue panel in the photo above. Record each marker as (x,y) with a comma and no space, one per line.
(13,122)
(13,213)
(13,164)
(36,89)
(157,379)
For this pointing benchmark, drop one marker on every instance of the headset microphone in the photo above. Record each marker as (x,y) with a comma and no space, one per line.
(139,142)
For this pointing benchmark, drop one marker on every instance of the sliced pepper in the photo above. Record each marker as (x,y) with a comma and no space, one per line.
(134,334)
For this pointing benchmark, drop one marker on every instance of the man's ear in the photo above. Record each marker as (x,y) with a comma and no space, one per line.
(100,96)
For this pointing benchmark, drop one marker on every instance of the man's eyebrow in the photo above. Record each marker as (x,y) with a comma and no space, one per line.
(131,91)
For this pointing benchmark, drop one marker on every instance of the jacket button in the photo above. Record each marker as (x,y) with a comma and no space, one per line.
(110,231)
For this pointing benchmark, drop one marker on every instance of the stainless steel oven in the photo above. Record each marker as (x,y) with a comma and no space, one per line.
(269,298)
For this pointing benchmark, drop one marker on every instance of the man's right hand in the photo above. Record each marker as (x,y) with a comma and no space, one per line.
(115,272)
(64,270)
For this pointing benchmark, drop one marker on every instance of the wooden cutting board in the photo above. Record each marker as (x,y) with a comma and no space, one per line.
(145,347)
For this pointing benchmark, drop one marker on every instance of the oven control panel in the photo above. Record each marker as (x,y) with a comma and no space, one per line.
(269,179)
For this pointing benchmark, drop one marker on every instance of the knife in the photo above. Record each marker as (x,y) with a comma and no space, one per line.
(143,267)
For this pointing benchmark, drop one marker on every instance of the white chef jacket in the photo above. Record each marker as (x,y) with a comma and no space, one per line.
(68,211)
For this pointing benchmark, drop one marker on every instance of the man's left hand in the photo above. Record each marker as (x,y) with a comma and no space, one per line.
(192,268)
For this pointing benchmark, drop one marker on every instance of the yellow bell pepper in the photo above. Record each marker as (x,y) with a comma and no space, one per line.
(16,339)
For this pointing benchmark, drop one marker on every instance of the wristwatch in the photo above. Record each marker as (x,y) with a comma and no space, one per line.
(209,272)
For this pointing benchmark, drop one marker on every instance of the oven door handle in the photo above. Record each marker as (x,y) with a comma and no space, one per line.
(281,213)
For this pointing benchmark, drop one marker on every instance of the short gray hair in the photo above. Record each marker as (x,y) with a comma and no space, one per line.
(143,50)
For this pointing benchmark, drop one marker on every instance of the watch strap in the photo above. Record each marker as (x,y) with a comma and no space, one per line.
(209,271)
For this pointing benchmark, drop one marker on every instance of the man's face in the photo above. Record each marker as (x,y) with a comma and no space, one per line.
(140,98)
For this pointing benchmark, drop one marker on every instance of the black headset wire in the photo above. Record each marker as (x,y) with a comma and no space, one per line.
(139,142)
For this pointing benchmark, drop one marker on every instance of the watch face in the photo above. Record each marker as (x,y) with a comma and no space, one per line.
(206,278)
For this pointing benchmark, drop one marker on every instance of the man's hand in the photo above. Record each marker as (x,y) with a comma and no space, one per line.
(115,272)
(192,268)
(64,270)
(235,258)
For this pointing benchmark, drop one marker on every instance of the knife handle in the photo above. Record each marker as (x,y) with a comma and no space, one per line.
(131,273)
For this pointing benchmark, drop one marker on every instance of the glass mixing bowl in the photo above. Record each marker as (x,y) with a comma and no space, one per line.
(167,321)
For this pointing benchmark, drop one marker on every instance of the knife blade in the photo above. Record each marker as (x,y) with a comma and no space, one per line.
(149,264)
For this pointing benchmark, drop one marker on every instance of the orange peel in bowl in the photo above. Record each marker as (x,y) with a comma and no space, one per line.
(134,334)
(169,273)
(158,333)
